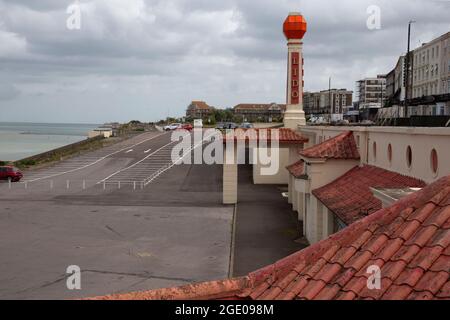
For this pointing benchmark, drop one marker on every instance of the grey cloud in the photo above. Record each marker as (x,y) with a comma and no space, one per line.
(160,54)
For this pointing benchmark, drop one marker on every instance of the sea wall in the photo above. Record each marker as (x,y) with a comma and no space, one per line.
(56,154)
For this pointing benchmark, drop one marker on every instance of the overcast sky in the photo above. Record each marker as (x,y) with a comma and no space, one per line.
(146,59)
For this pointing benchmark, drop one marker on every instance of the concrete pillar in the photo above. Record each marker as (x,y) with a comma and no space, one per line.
(230,176)
(294,115)
(295,200)
(291,190)
(328,225)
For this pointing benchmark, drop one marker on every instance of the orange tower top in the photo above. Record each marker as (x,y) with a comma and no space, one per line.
(294,26)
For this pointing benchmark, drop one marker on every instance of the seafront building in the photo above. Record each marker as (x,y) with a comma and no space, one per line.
(335,101)
(254,112)
(370,96)
(428,87)
(365,197)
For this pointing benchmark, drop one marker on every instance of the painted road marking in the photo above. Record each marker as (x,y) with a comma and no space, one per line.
(131,150)
(147,151)
(95,162)
(132,166)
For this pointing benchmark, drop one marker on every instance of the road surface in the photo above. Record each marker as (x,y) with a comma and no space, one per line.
(124,214)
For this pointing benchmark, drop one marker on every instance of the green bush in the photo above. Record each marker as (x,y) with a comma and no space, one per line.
(26,163)
(2,163)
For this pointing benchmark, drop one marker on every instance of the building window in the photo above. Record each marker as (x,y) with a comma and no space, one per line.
(390,153)
(409,156)
(375,151)
(434,161)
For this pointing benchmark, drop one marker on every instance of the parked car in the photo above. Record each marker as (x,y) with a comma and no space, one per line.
(246,125)
(220,126)
(186,126)
(10,173)
(172,126)
(230,125)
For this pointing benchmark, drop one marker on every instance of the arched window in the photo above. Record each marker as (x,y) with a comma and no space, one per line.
(390,153)
(374,151)
(434,161)
(409,156)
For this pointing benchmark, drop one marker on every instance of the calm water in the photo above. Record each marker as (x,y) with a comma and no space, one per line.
(21,140)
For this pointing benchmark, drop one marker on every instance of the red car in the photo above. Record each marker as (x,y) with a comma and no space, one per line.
(8,172)
(187,126)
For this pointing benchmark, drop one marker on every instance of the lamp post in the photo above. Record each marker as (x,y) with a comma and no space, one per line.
(407,68)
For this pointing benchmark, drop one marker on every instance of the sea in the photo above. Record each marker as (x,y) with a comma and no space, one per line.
(22,140)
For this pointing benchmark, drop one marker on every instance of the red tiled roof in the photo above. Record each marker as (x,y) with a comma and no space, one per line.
(200,105)
(297,169)
(284,135)
(342,146)
(350,197)
(409,241)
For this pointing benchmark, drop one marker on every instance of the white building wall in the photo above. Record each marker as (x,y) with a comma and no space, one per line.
(421,140)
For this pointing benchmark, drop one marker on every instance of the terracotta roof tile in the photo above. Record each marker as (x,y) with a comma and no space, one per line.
(297,169)
(414,261)
(440,238)
(432,281)
(343,255)
(201,105)
(409,277)
(282,135)
(342,146)
(444,293)
(406,253)
(438,218)
(393,269)
(355,285)
(376,243)
(389,249)
(350,196)
(441,264)
(376,294)
(426,257)
(396,292)
(420,295)
(312,289)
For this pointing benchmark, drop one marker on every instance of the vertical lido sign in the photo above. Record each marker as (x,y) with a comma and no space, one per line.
(295,78)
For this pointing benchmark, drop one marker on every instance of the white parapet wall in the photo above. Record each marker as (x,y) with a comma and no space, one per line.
(423,153)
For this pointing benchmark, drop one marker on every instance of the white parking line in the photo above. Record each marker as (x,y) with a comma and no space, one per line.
(135,164)
(131,150)
(147,151)
(95,162)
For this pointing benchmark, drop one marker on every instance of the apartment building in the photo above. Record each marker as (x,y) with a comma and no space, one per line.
(338,101)
(258,112)
(395,83)
(371,92)
(199,110)
(429,86)
(431,67)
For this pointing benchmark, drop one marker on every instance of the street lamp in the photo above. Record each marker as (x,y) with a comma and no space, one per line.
(407,68)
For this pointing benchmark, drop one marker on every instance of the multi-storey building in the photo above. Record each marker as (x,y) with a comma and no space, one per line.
(336,101)
(199,110)
(260,112)
(428,88)
(431,67)
(371,92)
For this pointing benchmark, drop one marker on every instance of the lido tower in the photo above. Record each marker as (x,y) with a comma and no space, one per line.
(294,29)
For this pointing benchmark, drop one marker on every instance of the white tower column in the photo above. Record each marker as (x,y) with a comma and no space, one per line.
(294,115)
